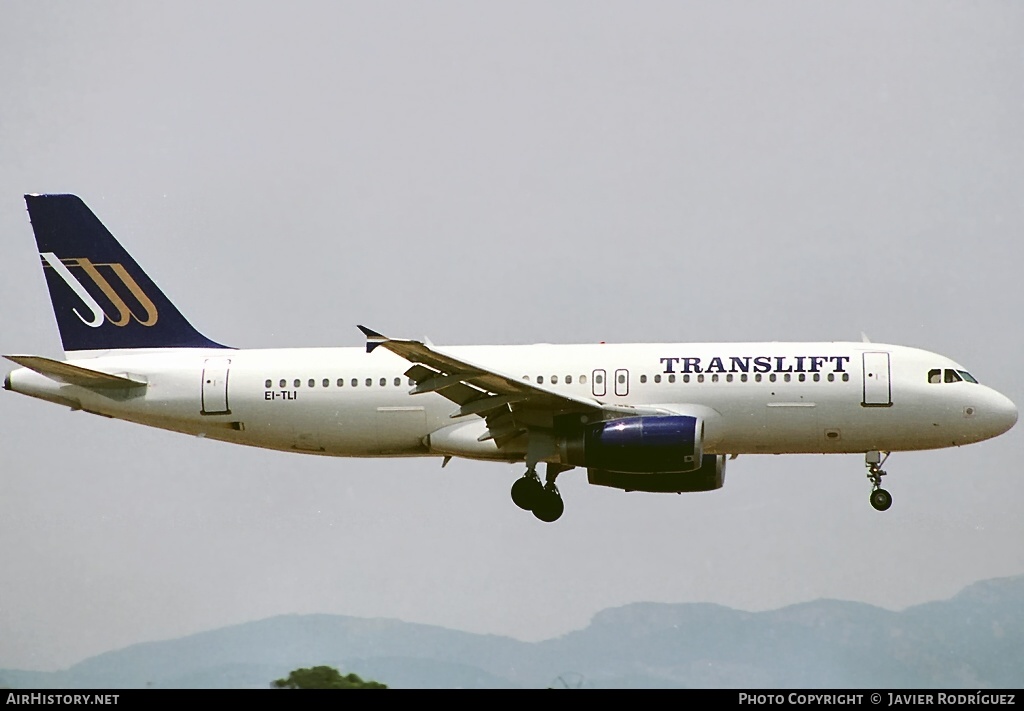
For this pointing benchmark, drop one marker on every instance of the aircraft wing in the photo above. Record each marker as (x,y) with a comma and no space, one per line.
(510,405)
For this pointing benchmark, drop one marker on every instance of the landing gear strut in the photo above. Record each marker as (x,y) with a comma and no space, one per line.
(542,499)
(880,498)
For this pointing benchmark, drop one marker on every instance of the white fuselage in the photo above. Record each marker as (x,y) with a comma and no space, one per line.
(754,397)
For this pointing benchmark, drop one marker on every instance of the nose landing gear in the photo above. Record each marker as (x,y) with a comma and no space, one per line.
(880,499)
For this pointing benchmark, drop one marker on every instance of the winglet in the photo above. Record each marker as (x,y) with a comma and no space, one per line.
(373,339)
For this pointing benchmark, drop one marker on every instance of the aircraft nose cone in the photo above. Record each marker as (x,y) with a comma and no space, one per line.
(1004,412)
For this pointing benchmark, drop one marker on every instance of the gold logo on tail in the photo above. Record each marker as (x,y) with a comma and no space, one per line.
(120,314)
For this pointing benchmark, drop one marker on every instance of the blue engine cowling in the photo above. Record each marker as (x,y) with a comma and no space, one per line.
(639,445)
(710,476)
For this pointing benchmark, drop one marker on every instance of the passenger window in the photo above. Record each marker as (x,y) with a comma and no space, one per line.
(714,378)
(369,382)
(622,378)
(383,382)
(583,380)
(411,381)
(935,375)
(599,379)
(643,378)
(787,377)
(540,379)
(672,378)
(686,377)
(341,382)
(296,383)
(327,383)
(846,376)
(728,378)
(757,377)
(568,380)
(802,377)
(554,380)
(817,377)
(355,382)
(743,377)
(952,377)
(657,378)
(700,378)
(284,382)
(831,377)
(312,383)
(772,377)
(268,383)
(398,382)
(526,378)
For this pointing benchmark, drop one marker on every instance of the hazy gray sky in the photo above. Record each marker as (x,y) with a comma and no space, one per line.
(506,173)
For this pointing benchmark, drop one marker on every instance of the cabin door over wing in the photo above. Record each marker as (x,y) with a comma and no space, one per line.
(622,382)
(215,386)
(877,388)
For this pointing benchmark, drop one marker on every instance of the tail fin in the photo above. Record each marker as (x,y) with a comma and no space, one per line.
(102,299)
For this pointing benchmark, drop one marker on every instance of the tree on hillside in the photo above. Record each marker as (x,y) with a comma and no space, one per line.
(324,678)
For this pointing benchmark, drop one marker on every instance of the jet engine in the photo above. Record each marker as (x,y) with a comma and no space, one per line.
(710,476)
(638,445)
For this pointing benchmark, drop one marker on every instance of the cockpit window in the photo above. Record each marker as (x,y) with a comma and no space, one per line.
(937,375)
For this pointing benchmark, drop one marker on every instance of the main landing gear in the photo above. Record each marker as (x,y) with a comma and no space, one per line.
(542,499)
(880,498)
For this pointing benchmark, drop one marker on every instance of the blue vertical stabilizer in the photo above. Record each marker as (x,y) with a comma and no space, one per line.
(102,299)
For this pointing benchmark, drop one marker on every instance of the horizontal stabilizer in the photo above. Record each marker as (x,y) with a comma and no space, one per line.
(74,374)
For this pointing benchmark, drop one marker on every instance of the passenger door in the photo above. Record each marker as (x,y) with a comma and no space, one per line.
(215,386)
(877,386)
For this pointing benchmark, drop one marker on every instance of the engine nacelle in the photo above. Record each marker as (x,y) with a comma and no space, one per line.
(638,445)
(709,477)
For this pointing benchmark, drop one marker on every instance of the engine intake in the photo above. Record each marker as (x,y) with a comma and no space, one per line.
(639,445)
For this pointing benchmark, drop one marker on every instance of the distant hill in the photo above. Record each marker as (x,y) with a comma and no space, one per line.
(975,639)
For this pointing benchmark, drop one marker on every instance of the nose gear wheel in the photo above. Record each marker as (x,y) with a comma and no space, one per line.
(880,499)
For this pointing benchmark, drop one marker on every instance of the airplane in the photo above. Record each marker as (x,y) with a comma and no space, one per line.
(647,417)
